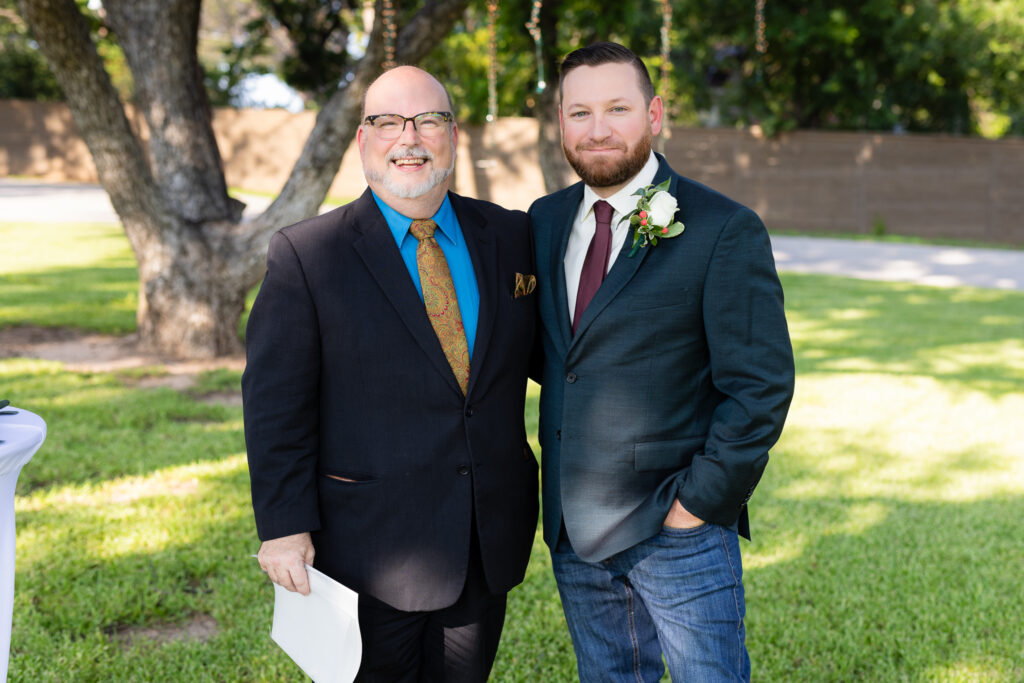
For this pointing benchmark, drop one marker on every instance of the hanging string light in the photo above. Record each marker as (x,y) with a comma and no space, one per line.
(759,27)
(390,34)
(666,24)
(492,68)
(761,40)
(533,26)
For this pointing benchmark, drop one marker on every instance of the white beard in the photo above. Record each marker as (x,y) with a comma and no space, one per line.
(436,177)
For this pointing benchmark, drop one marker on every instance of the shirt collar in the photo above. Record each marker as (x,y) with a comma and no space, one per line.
(399,223)
(624,201)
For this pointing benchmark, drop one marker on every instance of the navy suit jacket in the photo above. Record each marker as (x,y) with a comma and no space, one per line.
(346,377)
(677,381)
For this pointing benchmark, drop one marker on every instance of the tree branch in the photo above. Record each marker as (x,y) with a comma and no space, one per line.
(159,40)
(63,36)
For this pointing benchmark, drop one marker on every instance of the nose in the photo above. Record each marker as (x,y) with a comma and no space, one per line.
(599,129)
(409,133)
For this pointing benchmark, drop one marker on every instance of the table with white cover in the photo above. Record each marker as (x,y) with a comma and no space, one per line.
(21,435)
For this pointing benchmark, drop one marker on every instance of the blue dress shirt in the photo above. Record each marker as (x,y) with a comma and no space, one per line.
(453,244)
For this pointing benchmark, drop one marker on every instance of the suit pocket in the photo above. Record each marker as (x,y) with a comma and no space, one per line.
(666,455)
(349,478)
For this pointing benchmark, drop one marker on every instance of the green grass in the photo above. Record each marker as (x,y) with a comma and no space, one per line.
(887,533)
(80,275)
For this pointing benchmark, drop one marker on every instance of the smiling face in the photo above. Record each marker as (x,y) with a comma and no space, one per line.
(411,172)
(607,124)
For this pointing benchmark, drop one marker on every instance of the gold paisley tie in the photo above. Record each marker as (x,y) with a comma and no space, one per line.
(440,300)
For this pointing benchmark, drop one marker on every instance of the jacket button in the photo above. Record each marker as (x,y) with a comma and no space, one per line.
(462,469)
(469,412)
(571,377)
(558,435)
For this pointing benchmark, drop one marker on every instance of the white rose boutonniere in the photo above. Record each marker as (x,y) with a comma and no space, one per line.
(652,220)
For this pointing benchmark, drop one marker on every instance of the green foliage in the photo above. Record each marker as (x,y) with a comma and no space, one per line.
(23,71)
(935,66)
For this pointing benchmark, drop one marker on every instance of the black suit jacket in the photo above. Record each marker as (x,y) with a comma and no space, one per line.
(345,376)
(677,381)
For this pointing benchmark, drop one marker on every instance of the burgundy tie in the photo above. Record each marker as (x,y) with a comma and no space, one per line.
(595,265)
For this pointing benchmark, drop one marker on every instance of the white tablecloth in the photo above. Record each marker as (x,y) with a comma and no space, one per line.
(21,435)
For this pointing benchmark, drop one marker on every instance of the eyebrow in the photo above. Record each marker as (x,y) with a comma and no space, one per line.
(614,100)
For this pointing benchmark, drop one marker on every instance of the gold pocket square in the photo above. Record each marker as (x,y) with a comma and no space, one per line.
(525,284)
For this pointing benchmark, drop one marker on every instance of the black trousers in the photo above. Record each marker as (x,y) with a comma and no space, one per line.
(456,644)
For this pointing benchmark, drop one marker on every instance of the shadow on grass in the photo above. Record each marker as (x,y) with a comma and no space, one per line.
(963,335)
(101,298)
(99,427)
(885,589)
(89,570)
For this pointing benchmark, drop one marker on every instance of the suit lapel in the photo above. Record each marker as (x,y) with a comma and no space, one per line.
(483,252)
(624,268)
(561,222)
(379,252)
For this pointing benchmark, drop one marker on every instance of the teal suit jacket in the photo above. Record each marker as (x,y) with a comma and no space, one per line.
(677,381)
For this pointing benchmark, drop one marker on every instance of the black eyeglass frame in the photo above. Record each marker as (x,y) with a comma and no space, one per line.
(446,116)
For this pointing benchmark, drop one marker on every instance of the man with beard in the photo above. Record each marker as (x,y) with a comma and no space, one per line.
(384,396)
(666,377)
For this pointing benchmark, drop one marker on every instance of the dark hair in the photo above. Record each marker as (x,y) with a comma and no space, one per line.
(606,53)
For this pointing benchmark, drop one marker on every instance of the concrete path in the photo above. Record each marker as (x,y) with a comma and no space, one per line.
(918,263)
(24,200)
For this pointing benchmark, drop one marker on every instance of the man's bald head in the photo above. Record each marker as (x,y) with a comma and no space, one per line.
(390,85)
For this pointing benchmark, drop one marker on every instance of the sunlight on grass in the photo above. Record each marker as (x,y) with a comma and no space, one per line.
(80,275)
(921,439)
(885,530)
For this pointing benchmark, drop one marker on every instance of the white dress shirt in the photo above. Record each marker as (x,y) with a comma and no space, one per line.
(584,225)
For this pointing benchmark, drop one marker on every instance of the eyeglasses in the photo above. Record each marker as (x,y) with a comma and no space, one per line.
(429,124)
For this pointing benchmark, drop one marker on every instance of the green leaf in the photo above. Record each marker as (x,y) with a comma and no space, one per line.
(673,230)
(662,186)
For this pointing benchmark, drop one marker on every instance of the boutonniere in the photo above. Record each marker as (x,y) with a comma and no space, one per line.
(652,219)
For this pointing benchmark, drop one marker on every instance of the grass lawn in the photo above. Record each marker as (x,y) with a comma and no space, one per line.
(887,529)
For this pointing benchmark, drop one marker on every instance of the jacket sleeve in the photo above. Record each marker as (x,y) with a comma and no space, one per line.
(280,397)
(751,369)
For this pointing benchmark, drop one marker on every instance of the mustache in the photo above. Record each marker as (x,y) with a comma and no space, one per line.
(407,152)
(584,146)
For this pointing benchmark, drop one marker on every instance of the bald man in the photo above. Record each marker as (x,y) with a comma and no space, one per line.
(384,395)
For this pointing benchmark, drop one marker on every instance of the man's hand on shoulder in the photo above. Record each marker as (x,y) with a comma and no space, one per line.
(284,560)
(679,517)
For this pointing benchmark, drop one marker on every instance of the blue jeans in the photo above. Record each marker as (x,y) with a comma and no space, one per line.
(679,592)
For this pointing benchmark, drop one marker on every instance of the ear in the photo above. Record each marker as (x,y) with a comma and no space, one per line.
(561,121)
(455,135)
(656,110)
(360,140)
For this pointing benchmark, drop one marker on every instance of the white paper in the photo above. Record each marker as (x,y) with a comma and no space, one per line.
(320,631)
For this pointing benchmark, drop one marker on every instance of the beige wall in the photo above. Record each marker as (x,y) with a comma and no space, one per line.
(932,186)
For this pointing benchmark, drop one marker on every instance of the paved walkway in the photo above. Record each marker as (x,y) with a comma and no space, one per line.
(36,201)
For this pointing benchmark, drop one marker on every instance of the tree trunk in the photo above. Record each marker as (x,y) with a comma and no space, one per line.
(553,167)
(197,260)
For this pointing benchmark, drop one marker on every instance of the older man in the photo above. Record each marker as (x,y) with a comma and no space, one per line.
(384,395)
(667,376)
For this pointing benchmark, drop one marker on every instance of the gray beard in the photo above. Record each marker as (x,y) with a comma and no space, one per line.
(437,176)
